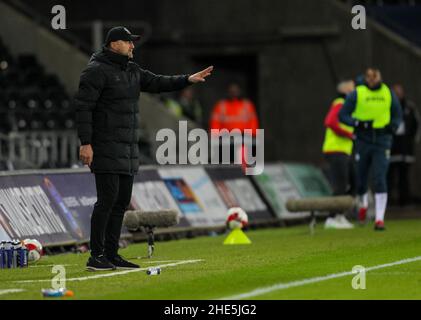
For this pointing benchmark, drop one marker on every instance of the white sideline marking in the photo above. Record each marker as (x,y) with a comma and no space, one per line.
(282,286)
(50,265)
(118,273)
(160,261)
(7,291)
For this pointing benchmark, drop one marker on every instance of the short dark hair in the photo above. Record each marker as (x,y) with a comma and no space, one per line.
(373,69)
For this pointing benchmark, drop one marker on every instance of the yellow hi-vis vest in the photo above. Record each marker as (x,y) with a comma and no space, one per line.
(373,105)
(336,143)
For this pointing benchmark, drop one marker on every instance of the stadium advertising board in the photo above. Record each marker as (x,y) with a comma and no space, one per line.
(150,193)
(75,195)
(3,235)
(278,187)
(309,180)
(236,190)
(29,209)
(195,195)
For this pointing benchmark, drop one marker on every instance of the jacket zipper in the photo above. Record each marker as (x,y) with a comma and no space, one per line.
(131,171)
(133,136)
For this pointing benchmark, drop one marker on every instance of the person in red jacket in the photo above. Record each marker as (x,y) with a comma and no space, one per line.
(235,112)
(337,149)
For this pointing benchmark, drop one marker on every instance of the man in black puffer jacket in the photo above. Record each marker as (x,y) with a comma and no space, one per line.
(108,128)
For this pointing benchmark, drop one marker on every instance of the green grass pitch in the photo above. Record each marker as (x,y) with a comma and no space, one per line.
(276,256)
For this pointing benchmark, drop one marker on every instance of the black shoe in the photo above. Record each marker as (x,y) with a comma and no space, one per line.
(120,263)
(99,263)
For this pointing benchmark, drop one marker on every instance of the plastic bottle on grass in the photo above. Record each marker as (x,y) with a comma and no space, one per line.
(8,254)
(54,293)
(153,271)
(2,255)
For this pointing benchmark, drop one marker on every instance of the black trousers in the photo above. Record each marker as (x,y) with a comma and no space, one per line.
(341,175)
(114,192)
(374,158)
(398,180)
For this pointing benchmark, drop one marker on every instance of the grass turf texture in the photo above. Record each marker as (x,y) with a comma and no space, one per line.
(275,256)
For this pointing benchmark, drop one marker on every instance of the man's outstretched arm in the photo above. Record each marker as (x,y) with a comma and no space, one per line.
(153,83)
(201,75)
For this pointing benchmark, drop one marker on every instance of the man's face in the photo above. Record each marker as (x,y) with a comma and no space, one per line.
(234,91)
(372,78)
(122,47)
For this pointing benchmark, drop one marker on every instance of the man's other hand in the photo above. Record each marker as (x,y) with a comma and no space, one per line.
(390,129)
(86,154)
(201,75)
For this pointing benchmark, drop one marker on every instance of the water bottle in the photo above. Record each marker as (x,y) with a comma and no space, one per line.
(8,254)
(15,253)
(20,255)
(153,271)
(23,257)
(1,254)
(54,293)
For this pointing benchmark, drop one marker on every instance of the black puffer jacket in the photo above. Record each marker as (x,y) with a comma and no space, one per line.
(107,109)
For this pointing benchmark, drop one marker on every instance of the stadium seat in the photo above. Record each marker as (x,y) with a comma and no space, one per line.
(31,99)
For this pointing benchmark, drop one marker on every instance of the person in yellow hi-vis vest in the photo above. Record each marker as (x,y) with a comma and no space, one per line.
(337,150)
(375,113)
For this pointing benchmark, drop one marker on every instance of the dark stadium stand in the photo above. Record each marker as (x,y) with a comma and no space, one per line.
(403,19)
(172,40)
(30,98)
(35,113)
(401,16)
(37,121)
(380,3)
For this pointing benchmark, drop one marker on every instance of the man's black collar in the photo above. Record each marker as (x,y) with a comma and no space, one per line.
(116,58)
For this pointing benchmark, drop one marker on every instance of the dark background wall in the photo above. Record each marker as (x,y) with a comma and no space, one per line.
(288,56)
